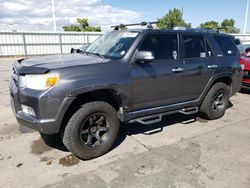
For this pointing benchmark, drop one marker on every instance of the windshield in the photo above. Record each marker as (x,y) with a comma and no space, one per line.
(113,45)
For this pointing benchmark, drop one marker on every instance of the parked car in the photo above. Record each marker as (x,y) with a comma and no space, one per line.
(125,76)
(245,62)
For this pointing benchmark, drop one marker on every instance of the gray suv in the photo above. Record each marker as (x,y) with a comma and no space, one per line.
(125,76)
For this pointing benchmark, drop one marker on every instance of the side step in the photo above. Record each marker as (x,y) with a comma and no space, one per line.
(147,120)
(189,111)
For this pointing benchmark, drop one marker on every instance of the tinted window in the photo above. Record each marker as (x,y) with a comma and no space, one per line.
(164,46)
(209,50)
(194,46)
(113,45)
(227,45)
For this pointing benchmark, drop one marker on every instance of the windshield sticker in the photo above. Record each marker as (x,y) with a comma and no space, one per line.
(130,35)
(118,47)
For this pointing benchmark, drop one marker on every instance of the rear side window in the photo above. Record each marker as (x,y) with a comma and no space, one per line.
(164,46)
(195,46)
(227,45)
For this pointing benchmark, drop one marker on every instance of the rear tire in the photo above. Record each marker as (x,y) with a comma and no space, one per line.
(92,130)
(216,101)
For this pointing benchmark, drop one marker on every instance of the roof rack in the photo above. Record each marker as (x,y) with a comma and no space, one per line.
(147,24)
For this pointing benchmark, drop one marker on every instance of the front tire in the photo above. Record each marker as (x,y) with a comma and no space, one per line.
(92,130)
(216,101)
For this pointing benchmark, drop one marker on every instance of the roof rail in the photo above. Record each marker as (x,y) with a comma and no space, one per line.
(180,28)
(147,24)
(202,30)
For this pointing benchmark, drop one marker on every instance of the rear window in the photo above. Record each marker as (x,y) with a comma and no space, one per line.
(227,45)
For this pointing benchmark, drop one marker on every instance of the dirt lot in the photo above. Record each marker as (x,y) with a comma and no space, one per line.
(182,151)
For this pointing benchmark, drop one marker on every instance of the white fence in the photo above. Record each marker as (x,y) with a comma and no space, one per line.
(245,39)
(40,43)
(30,43)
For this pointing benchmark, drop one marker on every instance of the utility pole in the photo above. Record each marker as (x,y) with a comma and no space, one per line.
(245,25)
(53,14)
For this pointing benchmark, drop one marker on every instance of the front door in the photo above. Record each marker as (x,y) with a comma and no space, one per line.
(158,82)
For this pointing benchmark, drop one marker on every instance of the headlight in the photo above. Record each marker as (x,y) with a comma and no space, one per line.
(38,81)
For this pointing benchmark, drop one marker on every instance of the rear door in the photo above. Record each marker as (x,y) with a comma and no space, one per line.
(199,64)
(155,83)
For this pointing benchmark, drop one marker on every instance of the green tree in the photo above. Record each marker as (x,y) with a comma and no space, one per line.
(210,25)
(172,19)
(228,26)
(71,27)
(81,25)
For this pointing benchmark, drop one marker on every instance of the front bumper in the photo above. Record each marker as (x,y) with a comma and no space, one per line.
(49,111)
(49,126)
(246,79)
(246,85)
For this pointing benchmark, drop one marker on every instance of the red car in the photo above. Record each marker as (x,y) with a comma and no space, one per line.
(245,62)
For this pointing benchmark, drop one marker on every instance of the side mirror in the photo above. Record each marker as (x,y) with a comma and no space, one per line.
(144,56)
(237,41)
(79,50)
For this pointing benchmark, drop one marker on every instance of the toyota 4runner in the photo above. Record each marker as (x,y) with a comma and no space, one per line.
(125,76)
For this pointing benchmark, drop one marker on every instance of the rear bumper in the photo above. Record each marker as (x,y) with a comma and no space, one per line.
(236,82)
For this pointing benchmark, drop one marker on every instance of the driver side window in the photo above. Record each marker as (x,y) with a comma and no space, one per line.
(164,46)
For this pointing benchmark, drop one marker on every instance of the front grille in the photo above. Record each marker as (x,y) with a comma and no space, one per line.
(246,74)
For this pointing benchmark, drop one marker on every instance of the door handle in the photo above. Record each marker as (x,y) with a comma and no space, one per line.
(212,66)
(178,69)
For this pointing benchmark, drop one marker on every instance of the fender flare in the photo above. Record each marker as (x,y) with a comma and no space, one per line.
(211,83)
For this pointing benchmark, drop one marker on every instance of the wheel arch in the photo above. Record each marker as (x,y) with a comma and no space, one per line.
(224,78)
(109,95)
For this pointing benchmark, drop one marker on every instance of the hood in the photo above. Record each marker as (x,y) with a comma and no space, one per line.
(61,61)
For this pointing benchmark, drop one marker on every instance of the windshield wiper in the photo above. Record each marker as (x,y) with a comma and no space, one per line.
(96,54)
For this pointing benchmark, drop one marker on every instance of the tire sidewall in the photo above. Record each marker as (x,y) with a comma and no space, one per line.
(219,86)
(75,123)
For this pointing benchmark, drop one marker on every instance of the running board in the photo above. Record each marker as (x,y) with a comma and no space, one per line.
(147,120)
(189,111)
